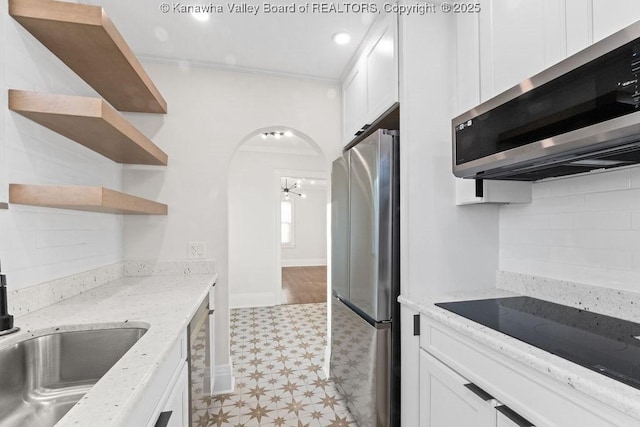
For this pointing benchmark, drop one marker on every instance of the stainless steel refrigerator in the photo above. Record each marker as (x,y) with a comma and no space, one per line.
(365,314)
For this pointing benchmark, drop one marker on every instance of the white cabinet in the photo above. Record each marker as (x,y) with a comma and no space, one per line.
(518,38)
(354,99)
(381,60)
(176,408)
(612,16)
(371,86)
(449,358)
(467,62)
(446,401)
(579,25)
(167,390)
(409,356)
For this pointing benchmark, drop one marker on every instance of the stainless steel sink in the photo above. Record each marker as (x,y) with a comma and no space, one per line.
(42,378)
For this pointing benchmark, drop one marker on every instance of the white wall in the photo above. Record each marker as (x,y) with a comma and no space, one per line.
(310,223)
(39,244)
(583,229)
(210,113)
(254,196)
(444,247)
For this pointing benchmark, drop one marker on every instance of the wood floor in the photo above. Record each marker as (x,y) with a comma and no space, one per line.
(304,285)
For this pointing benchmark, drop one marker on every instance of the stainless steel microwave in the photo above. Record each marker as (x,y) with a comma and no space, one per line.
(581,114)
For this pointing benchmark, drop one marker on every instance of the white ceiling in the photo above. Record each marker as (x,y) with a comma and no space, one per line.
(292,44)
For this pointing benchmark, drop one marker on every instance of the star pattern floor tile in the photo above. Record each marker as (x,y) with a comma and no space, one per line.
(278,356)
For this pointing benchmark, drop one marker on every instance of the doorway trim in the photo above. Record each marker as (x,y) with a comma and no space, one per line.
(278,174)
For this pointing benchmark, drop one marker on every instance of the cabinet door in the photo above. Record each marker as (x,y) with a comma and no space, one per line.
(381,60)
(611,16)
(354,96)
(446,402)
(467,62)
(579,23)
(519,38)
(178,402)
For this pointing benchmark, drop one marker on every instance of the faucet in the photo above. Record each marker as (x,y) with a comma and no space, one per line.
(6,320)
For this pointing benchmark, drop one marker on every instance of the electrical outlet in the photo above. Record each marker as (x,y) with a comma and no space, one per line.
(196,250)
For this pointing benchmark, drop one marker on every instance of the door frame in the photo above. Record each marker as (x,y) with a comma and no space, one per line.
(296,173)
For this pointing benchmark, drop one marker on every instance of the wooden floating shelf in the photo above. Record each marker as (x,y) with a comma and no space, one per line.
(91,122)
(93,199)
(85,39)
(4,205)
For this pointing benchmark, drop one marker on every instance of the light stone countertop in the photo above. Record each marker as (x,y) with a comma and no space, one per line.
(610,392)
(163,304)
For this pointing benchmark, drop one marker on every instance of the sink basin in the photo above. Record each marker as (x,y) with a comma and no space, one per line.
(42,378)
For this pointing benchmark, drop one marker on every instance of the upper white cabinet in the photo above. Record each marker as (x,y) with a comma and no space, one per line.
(371,86)
(579,25)
(611,16)
(354,98)
(468,62)
(381,59)
(510,41)
(518,38)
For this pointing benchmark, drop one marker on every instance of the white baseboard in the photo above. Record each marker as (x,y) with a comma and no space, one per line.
(309,262)
(225,381)
(264,299)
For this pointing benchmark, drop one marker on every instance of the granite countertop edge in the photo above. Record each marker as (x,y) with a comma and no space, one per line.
(163,304)
(610,392)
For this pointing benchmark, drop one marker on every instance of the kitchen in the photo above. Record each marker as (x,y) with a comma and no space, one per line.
(211,110)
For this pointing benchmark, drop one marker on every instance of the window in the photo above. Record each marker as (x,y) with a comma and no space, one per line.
(286,224)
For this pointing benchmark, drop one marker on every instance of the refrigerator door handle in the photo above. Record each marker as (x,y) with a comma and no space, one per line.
(385,324)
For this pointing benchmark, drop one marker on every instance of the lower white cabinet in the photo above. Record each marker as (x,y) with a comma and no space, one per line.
(445,399)
(175,412)
(167,392)
(462,380)
(448,399)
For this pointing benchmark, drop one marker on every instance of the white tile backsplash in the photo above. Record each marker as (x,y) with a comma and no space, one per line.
(583,229)
(39,245)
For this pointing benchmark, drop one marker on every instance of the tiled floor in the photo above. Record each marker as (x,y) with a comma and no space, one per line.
(278,355)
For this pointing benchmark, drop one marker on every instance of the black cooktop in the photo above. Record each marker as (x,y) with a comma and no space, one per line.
(601,343)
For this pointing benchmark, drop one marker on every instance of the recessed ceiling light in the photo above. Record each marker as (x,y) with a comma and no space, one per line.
(341,38)
(200,16)
(288,133)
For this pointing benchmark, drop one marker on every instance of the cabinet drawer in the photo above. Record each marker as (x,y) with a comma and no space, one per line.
(151,402)
(446,401)
(542,400)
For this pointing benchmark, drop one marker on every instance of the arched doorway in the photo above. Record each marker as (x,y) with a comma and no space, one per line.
(258,165)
